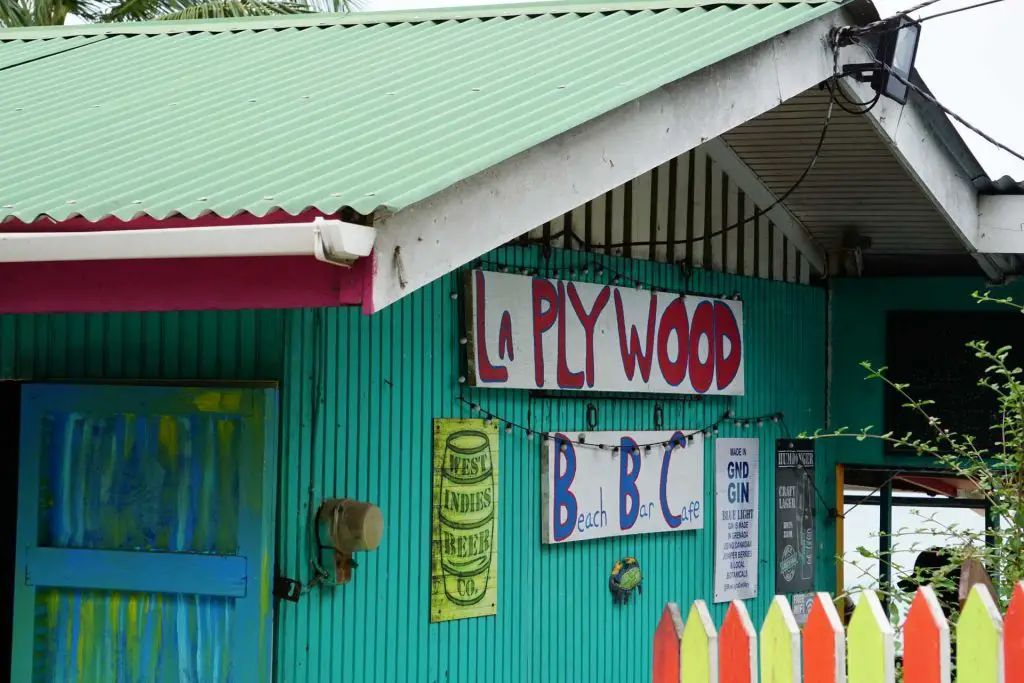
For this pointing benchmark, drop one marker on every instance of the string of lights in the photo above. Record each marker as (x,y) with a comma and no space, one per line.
(511,426)
(598,269)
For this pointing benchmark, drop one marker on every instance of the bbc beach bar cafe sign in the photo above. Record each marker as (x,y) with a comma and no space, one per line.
(537,333)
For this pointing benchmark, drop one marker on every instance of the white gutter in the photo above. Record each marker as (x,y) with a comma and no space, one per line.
(331,241)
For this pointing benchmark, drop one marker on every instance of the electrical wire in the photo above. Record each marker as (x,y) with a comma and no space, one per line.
(931,98)
(957,11)
(871,493)
(779,200)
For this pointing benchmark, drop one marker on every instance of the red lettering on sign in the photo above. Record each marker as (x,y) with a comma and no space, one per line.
(543,293)
(702,325)
(505,348)
(485,370)
(674,319)
(726,367)
(631,352)
(589,321)
(567,379)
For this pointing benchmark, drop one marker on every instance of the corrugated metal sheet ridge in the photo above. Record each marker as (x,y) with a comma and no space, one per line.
(160,140)
(326,20)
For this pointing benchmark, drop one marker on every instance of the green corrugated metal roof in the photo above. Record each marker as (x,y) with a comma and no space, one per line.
(373,111)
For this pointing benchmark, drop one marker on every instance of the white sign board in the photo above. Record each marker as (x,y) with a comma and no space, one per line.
(533,333)
(622,483)
(736,480)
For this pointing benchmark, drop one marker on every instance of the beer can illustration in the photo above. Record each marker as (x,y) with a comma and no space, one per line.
(466,506)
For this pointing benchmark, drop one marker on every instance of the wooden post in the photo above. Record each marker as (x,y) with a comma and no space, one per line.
(824,644)
(979,640)
(1013,637)
(870,648)
(700,646)
(780,644)
(667,640)
(926,640)
(738,639)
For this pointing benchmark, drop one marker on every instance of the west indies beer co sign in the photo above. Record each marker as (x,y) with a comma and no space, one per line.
(621,483)
(535,333)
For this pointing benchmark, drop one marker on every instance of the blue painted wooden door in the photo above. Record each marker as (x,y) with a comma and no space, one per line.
(145,520)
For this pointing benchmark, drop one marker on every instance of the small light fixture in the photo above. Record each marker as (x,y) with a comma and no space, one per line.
(895,55)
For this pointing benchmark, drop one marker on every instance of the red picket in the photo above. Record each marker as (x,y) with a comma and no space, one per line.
(1013,637)
(824,646)
(666,645)
(737,642)
(926,653)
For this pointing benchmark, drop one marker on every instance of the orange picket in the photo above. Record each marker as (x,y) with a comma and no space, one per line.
(737,645)
(666,645)
(824,648)
(926,652)
(1013,637)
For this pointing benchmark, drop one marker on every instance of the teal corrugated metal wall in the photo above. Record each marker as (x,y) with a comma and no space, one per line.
(209,345)
(859,308)
(361,428)
(359,395)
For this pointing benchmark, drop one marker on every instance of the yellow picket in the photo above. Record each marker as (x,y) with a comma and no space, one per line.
(780,644)
(700,646)
(979,639)
(869,643)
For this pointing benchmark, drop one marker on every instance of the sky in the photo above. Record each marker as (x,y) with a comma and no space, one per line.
(968,60)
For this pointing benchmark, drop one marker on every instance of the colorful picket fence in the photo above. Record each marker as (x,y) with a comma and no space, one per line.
(989,647)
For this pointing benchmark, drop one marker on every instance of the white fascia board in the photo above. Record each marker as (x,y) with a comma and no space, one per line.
(437,235)
(1001,224)
(326,239)
(924,156)
(751,184)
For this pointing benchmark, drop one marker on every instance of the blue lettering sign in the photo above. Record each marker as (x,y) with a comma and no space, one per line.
(596,518)
(672,520)
(564,500)
(738,492)
(629,470)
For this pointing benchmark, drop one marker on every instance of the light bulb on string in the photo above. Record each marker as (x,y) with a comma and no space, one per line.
(508,427)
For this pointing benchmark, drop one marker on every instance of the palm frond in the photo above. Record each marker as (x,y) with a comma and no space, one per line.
(223,9)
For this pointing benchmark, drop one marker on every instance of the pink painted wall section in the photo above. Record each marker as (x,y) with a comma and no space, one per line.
(176,284)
